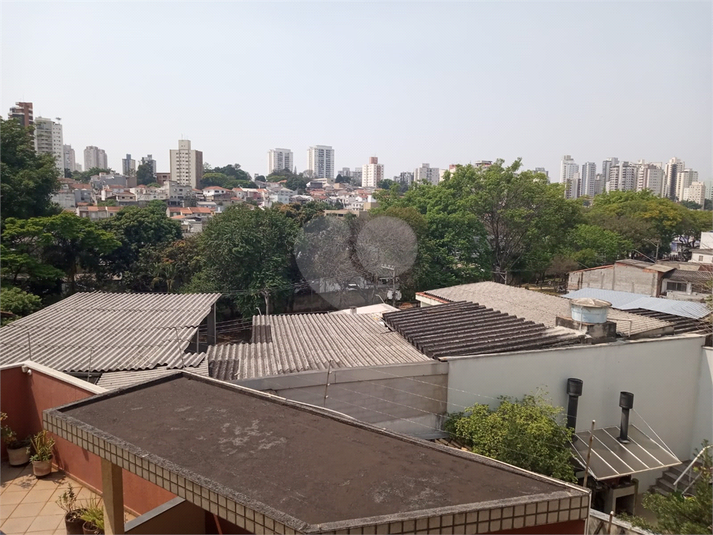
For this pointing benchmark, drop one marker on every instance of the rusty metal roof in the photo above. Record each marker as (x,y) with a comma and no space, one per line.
(103,332)
(465,328)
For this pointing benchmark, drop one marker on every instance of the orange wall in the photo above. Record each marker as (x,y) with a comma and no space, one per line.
(24,397)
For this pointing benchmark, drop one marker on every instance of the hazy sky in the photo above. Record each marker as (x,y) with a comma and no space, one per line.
(408,82)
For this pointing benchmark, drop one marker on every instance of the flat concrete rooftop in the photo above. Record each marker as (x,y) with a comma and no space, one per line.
(298,461)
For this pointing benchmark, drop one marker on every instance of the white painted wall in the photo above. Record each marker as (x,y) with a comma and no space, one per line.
(663,374)
(703,427)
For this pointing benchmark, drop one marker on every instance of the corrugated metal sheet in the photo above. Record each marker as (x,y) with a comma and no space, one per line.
(103,332)
(305,342)
(464,328)
(114,380)
(681,325)
(631,301)
(537,306)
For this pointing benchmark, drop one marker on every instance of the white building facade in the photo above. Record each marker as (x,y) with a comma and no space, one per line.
(95,157)
(49,140)
(684,179)
(128,166)
(673,167)
(427,173)
(372,173)
(569,176)
(186,164)
(320,162)
(588,177)
(70,159)
(279,160)
(696,192)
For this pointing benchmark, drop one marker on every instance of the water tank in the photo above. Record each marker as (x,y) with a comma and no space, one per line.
(589,310)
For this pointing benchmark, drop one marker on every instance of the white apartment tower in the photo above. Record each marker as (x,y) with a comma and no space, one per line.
(70,159)
(650,176)
(95,157)
(568,170)
(148,159)
(696,192)
(128,166)
(186,164)
(588,176)
(684,179)
(320,162)
(372,173)
(427,173)
(279,160)
(606,167)
(622,177)
(48,140)
(673,167)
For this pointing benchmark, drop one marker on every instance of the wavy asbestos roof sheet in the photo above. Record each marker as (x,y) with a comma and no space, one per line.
(103,332)
(114,380)
(538,307)
(631,301)
(304,342)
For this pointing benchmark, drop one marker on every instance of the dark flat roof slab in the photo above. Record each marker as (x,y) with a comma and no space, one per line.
(300,461)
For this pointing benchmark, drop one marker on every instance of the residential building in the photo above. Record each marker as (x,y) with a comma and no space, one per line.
(650,176)
(543,171)
(48,140)
(427,173)
(162,178)
(282,196)
(588,177)
(145,194)
(483,163)
(622,177)
(673,167)
(356,175)
(600,184)
(696,193)
(148,159)
(372,173)
(279,160)
(320,162)
(128,166)
(103,180)
(97,213)
(684,178)
(95,157)
(568,167)
(606,167)
(69,158)
(22,112)
(572,186)
(345,172)
(404,178)
(186,164)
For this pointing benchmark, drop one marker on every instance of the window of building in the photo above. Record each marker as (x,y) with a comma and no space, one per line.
(676,286)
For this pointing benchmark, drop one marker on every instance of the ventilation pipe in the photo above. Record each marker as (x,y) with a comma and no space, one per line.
(352,310)
(626,402)
(574,390)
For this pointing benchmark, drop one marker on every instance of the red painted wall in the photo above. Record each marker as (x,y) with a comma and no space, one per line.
(571,527)
(24,397)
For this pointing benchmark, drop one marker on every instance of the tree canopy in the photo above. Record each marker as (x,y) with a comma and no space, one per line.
(144,174)
(28,178)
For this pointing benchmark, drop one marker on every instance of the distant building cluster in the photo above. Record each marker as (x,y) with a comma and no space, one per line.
(672,180)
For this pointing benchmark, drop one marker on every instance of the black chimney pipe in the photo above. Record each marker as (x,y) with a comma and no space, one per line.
(626,402)
(574,390)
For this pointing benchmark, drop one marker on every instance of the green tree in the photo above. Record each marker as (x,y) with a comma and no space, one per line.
(144,174)
(385,184)
(342,179)
(591,246)
(222,180)
(691,205)
(28,178)
(527,433)
(85,176)
(167,267)
(137,228)
(248,254)
(18,303)
(56,246)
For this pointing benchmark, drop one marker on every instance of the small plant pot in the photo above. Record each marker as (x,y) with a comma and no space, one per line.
(18,456)
(42,468)
(90,529)
(73,523)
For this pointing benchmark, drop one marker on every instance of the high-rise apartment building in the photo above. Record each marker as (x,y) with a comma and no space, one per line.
(568,170)
(404,178)
(320,162)
(543,171)
(572,186)
(345,172)
(427,173)
(600,184)
(70,159)
(588,177)
(148,159)
(95,157)
(356,175)
(684,179)
(649,176)
(606,167)
(622,177)
(372,173)
(279,160)
(128,166)
(696,192)
(48,140)
(673,167)
(186,165)
(22,112)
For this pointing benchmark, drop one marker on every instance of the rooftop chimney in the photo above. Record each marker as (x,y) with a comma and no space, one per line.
(626,402)
(574,390)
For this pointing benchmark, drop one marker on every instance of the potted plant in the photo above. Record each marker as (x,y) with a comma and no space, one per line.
(93,517)
(42,444)
(16,449)
(72,514)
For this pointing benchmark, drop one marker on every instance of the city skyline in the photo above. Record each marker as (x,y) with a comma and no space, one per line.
(506,96)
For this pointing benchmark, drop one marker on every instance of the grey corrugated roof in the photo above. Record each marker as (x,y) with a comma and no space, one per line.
(465,328)
(630,301)
(663,268)
(537,306)
(114,380)
(687,275)
(109,332)
(303,342)
(680,324)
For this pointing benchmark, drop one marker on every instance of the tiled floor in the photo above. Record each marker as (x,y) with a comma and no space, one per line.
(28,505)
